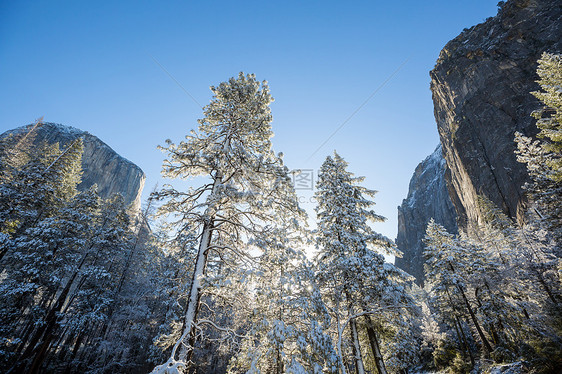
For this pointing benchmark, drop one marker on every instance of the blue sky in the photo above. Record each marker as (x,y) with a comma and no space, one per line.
(91,65)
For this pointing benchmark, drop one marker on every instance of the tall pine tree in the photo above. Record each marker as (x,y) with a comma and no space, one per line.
(357,283)
(245,186)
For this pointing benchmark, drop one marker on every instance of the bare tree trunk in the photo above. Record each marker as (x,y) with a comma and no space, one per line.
(375,348)
(485,342)
(279,363)
(464,341)
(359,369)
(458,327)
(46,331)
(195,291)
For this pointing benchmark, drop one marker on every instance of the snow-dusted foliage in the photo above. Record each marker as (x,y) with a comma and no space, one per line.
(496,291)
(66,263)
(287,321)
(549,118)
(544,157)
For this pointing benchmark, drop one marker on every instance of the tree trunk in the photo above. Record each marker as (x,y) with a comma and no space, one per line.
(536,269)
(485,342)
(464,341)
(359,369)
(195,291)
(190,319)
(279,363)
(458,326)
(77,345)
(50,324)
(375,348)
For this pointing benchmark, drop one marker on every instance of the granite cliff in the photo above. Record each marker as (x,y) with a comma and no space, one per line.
(428,198)
(101,165)
(480,87)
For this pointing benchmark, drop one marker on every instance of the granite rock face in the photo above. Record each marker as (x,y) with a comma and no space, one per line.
(480,87)
(428,198)
(101,165)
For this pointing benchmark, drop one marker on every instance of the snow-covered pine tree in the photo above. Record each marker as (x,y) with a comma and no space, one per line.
(544,157)
(46,229)
(172,277)
(521,289)
(15,149)
(91,237)
(38,188)
(48,223)
(92,301)
(544,165)
(271,322)
(244,188)
(448,270)
(518,266)
(51,230)
(352,275)
(503,280)
(431,332)
(38,215)
(122,337)
(549,118)
(37,192)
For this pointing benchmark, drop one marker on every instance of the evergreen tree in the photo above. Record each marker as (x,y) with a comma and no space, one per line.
(549,118)
(449,266)
(15,149)
(88,259)
(501,280)
(246,187)
(38,188)
(543,157)
(351,272)
(63,257)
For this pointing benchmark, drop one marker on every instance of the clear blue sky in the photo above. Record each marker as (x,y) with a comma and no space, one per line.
(90,65)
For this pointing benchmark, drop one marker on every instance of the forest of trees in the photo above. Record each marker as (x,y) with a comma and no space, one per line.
(226,276)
